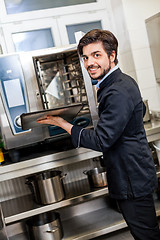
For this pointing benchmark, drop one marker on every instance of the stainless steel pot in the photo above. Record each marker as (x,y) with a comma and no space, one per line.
(45,226)
(147,116)
(97,177)
(47,187)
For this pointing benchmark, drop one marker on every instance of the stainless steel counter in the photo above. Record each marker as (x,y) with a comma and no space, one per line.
(63,158)
(43,163)
(96,223)
(23,207)
(26,208)
(93,223)
(3,233)
(152,130)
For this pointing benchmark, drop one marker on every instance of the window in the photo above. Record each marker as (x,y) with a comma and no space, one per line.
(18,6)
(84,27)
(33,40)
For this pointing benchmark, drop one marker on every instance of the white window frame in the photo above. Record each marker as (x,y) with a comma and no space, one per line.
(30,25)
(2,42)
(92,16)
(52,12)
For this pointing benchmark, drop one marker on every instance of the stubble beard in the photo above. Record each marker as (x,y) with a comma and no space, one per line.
(103,74)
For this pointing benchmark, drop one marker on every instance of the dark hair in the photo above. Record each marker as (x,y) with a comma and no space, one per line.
(107,38)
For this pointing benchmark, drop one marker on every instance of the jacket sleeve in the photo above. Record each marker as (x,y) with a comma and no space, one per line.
(117,110)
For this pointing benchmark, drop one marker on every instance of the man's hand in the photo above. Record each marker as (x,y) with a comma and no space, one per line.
(57,121)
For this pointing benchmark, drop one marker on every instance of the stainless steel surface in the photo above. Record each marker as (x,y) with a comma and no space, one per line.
(89,88)
(152,130)
(46,162)
(53,78)
(153,30)
(17,230)
(20,208)
(23,207)
(3,233)
(47,187)
(14,188)
(95,223)
(14,212)
(147,116)
(28,120)
(122,234)
(60,79)
(60,159)
(158,171)
(45,226)
(12,141)
(46,232)
(97,177)
(96,219)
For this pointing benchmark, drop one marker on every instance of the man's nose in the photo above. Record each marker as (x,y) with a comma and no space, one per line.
(90,61)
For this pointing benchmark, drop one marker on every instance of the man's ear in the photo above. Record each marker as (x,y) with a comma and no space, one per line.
(112,56)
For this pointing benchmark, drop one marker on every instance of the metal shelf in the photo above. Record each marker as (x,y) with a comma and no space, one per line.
(158,171)
(21,236)
(152,130)
(46,162)
(15,170)
(84,226)
(92,224)
(97,223)
(23,207)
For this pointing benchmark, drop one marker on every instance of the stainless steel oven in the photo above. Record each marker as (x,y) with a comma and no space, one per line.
(44,79)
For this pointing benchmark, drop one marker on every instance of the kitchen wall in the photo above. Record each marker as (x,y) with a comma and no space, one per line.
(135,56)
(125,18)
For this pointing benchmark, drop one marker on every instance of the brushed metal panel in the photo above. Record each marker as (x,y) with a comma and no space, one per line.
(68,113)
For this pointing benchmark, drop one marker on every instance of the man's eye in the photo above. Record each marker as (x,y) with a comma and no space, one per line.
(85,58)
(96,55)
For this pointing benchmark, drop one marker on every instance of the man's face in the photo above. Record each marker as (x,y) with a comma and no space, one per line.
(96,60)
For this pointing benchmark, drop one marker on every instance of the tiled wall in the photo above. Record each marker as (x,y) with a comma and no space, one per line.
(126,18)
(135,57)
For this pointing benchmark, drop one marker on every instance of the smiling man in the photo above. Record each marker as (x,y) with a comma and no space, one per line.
(97,63)
(119,134)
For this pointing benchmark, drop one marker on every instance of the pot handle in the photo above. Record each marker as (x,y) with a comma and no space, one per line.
(85,172)
(62,177)
(28,181)
(53,230)
(30,185)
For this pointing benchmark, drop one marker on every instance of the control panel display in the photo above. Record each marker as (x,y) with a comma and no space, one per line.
(13,93)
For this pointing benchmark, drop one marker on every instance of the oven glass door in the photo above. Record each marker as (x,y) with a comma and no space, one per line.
(60,80)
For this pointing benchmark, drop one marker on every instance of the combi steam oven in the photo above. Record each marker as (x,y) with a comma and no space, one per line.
(41,80)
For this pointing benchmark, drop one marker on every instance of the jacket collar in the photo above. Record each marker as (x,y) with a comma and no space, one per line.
(112,70)
(108,81)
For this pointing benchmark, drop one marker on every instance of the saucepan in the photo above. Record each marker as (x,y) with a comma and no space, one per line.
(45,226)
(47,187)
(97,177)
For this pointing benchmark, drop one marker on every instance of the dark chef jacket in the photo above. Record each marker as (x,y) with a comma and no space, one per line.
(120,135)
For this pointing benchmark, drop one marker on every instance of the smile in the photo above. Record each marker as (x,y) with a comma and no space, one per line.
(92,69)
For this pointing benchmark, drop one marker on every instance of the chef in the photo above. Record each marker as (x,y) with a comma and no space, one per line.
(119,134)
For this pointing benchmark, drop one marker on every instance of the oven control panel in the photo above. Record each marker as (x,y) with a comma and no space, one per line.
(13,91)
